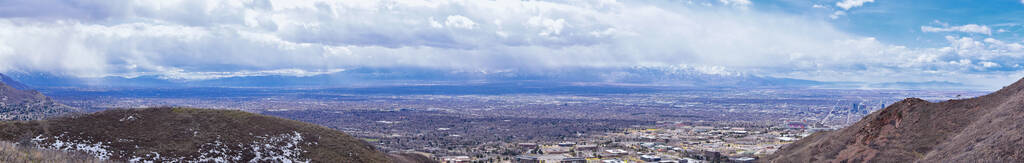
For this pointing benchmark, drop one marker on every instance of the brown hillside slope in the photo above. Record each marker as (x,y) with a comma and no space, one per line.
(985,129)
(191,135)
(10,152)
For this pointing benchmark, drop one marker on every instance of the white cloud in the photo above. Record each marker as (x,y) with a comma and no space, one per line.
(459,21)
(736,3)
(549,27)
(988,64)
(603,33)
(1001,47)
(969,28)
(837,14)
(211,39)
(434,23)
(191,75)
(848,4)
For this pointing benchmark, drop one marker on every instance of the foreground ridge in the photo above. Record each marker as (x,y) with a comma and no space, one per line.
(191,135)
(989,128)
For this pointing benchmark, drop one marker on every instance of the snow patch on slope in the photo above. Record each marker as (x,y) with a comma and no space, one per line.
(267,148)
(98,149)
(272,151)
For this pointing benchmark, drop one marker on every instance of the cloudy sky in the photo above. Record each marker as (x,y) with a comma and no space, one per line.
(974,42)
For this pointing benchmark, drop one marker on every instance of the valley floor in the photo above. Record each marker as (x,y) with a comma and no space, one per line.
(670,124)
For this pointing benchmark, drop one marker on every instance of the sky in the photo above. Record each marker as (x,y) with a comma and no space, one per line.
(972,42)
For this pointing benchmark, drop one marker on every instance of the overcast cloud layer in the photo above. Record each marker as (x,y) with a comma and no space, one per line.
(185,39)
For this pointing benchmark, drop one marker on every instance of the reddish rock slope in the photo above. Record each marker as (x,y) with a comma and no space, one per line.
(986,129)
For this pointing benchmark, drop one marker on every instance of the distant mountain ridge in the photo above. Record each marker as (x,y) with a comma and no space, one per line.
(649,75)
(988,128)
(6,80)
(25,104)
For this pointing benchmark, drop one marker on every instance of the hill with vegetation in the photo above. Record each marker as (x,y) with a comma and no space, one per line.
(988,128)
(10,152)
(190,135)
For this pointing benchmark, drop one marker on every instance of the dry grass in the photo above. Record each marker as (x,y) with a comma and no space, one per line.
(10,152)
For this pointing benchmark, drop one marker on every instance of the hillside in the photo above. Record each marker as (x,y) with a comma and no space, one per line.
(10,152)
(989,128)
(187,135)
(18,103)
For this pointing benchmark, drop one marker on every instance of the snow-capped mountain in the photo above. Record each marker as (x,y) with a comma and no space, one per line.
(644,75)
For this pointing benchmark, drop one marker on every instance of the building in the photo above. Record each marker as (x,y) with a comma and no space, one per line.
(614,153)
(612,161)
(527,145)
(689,160)
(526,159)
(786,139)
(553,158)
(712,156)
(556,150)
(796,125)
(456,159)
(743,159)
(589,147)
(573,160)
(650,158)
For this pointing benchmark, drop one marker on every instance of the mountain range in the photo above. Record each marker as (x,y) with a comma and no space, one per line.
(666,76)
(988,128)
(672,76)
